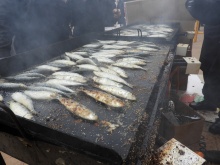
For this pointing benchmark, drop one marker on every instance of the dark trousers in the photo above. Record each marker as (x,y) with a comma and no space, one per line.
(210,65)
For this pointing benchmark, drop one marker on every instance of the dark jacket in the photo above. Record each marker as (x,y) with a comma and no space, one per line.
(208,12)
(94,15)
(47,23)
(87,16)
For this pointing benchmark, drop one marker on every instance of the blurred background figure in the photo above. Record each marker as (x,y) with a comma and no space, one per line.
(29,24)
(13,15)
(95,15)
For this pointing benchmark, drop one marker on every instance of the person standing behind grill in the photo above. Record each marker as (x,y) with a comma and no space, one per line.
(208,12)
(12,18)
(29,24)
(93,15)
(115,7)
(47,23)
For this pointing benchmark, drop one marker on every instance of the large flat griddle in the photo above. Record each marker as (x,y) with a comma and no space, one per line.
(58,126)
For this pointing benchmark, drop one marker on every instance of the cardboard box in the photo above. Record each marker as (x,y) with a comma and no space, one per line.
(187,133)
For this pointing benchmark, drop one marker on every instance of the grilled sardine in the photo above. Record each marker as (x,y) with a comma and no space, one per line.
(41,95)
(12,86)
(104,98)
(78,109)
(106,81)
(128,65)
(112,77)
(117,91)
(118,70)
(24,100)
(20,110)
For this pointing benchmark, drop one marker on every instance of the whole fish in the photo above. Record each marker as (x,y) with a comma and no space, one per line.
(158,35)
(43,88)
(115,47)
(86,54)
(131,59)
(86,61)
(22,78)
(24,100)
(74,56)
(41,95)
(150,45)
(66,62)
(106,81)
(134,62)
(20,110)
(147,49)
(70,78)
(128,65)
(104,98)
(107,41)
(118,70)
(47,67)
(124,42)
(12,86)
(104,60)
(106,70)
(62,63)
(137,51)
(89,67)
(31,75)
(56,86)
(62,73)
(112,77)
(1,98)
(40,70)
(78,109)
(102,54)
(92,46)
(117,91)
(64,82)
(115,52)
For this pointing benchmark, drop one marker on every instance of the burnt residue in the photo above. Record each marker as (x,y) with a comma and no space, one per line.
(181,152)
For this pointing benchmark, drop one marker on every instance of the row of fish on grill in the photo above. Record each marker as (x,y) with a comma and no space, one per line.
(154,31)
(105,63)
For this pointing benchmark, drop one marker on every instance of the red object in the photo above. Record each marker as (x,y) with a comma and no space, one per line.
(187,98)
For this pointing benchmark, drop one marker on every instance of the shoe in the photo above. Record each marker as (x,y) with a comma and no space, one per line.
(215,127)
(203,105)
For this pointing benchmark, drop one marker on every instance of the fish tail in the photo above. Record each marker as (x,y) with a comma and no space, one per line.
(129,85)
(145,69)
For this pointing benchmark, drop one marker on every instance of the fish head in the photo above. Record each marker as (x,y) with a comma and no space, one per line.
(92,116)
